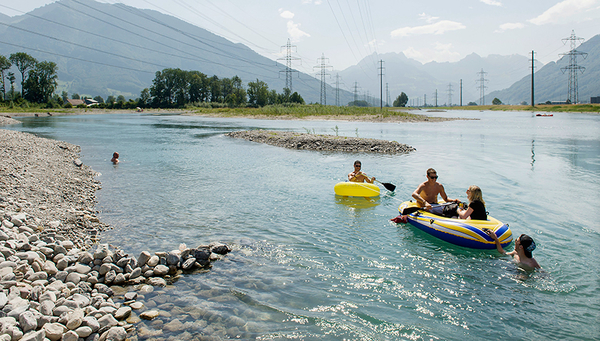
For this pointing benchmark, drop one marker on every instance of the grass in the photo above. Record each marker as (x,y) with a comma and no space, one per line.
(305,111)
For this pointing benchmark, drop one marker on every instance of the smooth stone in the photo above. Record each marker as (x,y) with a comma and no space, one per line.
(122,313)
(143,258)
(34,336)
(27,322)
(84,331)
(75,318)
(157,282)
(136,305)
(50,268)
(91,322)
(103,289)
(73,277)
(114,334)
(146,289)
(46,307)
(119,279)
(54,331)
(107,321)
(130,296)
(188,264)
(161,270)
(153,261)
(70,336)
(82,269)
(150,314)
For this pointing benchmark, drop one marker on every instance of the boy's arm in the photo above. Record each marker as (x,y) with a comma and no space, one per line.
(492,235)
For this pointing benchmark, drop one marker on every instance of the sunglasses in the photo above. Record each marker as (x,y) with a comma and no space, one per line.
(356,165)
(434,177)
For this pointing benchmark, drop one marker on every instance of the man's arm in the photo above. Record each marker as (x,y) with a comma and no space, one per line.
(492,235)
(416,194)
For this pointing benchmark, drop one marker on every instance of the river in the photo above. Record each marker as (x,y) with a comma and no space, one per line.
(308,265)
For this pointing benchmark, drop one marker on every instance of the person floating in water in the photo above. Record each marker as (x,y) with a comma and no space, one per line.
(115,158)
(524,246)
(358,176)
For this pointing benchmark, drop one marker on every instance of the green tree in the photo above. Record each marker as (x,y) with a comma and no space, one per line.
(401,100)
(472,103)
(65,96)
(296,98)
(23,62)
(5,65)
(75,96)
(496,101)
(145,98)
(41,82)
(11,78)
(258,93)
(216,90)
(111,100)
(121,99)
(99,99)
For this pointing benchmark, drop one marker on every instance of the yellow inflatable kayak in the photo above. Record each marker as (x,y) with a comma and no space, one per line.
(467,233)
(356,189)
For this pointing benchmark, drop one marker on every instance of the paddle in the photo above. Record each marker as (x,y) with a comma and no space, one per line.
(390,187)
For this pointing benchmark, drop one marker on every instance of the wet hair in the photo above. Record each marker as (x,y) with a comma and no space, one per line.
(431,171)
(358,161)
(116,155)
(475,194)
(528,244)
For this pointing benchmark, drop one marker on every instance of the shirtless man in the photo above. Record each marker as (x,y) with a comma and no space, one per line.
(427,192)
(115,158)
(524,245)
(358,176)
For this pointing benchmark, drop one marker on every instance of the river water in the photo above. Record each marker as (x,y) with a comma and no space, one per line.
(309,265)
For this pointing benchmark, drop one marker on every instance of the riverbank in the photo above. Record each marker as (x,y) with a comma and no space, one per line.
(305,141)
(56,281)
(313,113)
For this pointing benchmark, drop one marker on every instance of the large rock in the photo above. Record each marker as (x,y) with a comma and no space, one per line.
(54,331)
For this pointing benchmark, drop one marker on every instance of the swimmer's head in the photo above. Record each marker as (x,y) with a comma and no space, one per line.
(115,155)
(528,244)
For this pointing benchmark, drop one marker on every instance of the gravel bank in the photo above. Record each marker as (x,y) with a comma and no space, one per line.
(56,282)
(305,141)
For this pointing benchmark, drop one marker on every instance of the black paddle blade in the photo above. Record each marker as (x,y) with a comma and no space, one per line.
(410,210)
(388,186)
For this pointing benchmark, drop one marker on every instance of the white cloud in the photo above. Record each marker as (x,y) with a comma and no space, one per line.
(285,14)
(510,26)
(316,2)
(562,10)
(412,53)
(295,32)
(440,27)
(375,43)
(491,2)
(428,18)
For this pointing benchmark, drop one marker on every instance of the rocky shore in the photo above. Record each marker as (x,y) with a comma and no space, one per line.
(56,281)
(293,140)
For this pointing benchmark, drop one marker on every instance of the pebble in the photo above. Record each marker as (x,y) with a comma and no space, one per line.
(54,275)
(294,140)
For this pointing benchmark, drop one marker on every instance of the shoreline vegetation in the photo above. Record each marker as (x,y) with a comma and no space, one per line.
(311,112)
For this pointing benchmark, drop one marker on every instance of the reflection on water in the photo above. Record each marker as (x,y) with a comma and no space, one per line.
(310,265)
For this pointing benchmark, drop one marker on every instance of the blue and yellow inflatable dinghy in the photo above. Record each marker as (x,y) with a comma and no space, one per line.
(356,189)
(466,233)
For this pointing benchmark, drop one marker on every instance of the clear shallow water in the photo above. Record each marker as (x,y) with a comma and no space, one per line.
(310,265)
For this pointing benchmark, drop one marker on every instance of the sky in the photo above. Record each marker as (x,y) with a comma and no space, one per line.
(346,32)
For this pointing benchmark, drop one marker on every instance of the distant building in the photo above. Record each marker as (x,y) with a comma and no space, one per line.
(75,102)
(595,99)
(87,102)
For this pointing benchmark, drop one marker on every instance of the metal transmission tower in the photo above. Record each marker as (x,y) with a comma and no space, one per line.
(461,92)
(381,84)
(355,92)
(387,95)
(482,86)
(435,97)
(337,89)
(450,94)
(288,64)
(323,66)
(573,67)
(532,74)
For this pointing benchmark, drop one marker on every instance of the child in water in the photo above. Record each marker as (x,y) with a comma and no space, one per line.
(524,245)
(115,158)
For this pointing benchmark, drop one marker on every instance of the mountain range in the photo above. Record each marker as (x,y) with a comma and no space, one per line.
(113,49)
